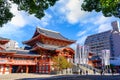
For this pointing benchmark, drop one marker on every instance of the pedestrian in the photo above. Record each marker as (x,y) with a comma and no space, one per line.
(112,70)
(101,72)
(80,72)
(108,70)
(86,72)
(94,71)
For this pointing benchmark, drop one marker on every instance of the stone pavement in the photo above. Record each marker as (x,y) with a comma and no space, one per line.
(15,76)
(24,76)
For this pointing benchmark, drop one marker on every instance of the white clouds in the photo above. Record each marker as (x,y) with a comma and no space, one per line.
(104,27)
(18,19)
(46,19)
(11,31)
(61,13)
(93,22)
(72,10)
(22,18)
(101,19)
(81,40)
(81,33)
(103,23)
(82,36)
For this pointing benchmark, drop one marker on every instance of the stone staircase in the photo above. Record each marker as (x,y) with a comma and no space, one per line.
(84,68)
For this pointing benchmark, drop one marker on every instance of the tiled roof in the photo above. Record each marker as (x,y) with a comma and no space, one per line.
(1,38)
(24,52)
(52,34)
(7,51)
(49,47)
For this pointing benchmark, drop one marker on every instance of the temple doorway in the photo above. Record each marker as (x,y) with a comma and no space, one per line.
(18,69)
(23,69)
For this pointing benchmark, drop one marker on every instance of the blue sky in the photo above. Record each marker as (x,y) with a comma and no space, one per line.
(65,17)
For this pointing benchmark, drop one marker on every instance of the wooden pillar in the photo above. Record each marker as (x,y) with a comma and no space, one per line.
(4,66)
(10,71)
(49,64)
(34,69)
(27,69)
(0,68)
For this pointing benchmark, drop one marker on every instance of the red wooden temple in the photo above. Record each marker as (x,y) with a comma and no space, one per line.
(36,58)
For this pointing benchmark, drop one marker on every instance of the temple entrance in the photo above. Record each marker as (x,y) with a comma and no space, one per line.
(18,69)
(23,69)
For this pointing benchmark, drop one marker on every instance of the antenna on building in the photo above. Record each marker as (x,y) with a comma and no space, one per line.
(115,26)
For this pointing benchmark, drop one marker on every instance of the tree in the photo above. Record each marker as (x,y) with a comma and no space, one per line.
(107,7)
(60,63)
(36,7)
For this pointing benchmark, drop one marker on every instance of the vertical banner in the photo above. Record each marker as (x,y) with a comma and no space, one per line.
(76,56)
(81,54)
(105,57)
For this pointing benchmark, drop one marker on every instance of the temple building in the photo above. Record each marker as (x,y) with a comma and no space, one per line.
(37,55)
(47,44)
(15,61)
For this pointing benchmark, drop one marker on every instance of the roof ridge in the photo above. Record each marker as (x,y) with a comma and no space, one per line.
(4,38)
(47,30)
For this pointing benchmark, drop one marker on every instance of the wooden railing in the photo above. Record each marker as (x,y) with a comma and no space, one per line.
(15,62)
(27,62)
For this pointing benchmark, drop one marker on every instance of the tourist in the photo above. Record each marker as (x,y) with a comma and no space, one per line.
(101,72)
(112,70)
(86,72)
(80,72)
(94,71)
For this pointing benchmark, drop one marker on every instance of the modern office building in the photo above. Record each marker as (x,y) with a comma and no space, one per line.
(108,40)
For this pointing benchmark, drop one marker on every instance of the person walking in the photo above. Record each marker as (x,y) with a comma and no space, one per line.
(80,72)
(112,70)
(94,71)
(86,72)
(101,72)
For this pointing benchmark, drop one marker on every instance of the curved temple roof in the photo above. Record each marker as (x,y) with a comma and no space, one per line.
(52,34)
(46,46)
(48,33)
(1,38)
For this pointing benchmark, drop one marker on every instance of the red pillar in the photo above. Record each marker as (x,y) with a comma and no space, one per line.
(10,71)
(34,69)
(49,65)
(27,69)
(4,66)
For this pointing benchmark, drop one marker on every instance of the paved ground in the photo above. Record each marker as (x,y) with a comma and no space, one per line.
(57,77)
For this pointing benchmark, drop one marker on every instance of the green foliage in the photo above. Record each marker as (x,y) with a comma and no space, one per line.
(5,14)
(108,7)
(36,7)
(60,63)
